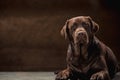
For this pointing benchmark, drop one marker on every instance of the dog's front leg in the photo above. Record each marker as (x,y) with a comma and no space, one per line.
(63,75)
(102,75)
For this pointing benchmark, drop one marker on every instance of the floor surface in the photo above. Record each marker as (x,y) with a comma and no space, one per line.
(27,76)
(34,76)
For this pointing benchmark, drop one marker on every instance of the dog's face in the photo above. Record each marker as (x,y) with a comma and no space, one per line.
(79,29)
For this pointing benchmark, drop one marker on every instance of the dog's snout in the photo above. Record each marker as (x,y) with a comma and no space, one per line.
(81,34)
(81,37)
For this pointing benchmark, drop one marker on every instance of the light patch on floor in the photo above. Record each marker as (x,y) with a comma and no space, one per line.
(27,76)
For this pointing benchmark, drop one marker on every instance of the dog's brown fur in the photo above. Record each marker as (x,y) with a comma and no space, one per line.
(87,57)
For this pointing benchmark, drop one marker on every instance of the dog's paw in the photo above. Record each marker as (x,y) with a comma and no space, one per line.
(97,76)
(63,75)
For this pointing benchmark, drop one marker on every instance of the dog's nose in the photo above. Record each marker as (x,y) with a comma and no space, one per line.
(81,34)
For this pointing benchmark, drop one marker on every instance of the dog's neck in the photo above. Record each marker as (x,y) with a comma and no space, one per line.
(79,55)
(80,51)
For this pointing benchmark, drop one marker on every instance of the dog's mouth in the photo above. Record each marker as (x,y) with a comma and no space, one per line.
(81,41)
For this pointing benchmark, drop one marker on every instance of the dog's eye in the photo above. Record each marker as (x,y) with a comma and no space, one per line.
(75,24)
(74,27)
(84,24)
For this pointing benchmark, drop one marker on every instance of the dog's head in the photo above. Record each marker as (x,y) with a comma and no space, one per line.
(79,29)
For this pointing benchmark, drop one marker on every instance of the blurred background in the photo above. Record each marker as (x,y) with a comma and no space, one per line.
(30,37)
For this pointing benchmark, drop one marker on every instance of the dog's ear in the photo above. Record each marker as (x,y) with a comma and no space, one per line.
(94,25)
(64,30)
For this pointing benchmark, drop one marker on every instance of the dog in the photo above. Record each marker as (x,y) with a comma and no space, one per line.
(87,57)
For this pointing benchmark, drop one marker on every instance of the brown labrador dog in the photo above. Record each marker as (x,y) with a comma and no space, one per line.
(87,57)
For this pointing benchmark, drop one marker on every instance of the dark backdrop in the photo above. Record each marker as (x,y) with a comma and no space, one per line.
(29,31)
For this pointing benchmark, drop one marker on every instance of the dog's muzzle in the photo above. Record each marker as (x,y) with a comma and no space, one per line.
(81,36)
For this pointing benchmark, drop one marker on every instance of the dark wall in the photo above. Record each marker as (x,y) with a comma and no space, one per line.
(29,31)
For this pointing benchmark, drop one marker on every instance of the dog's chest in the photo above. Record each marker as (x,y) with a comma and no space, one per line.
(80,65)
